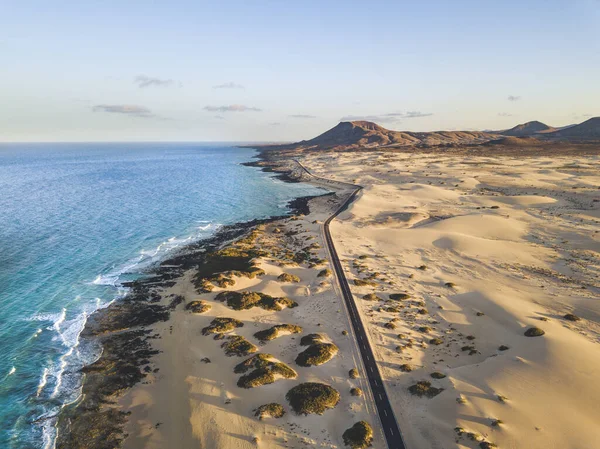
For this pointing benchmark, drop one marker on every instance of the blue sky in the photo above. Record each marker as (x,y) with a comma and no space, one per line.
(277,70)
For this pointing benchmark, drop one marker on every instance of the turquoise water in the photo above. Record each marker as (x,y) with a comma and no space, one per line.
(78,219)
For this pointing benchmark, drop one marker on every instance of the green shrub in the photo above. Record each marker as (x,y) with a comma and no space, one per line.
(399,296)
(356,391)
(311,339)
(534,332)
(316,354)
(503,348)
(324,273)
(198,306)
(390,325)
(363,283)
(256,361)
(266,375)
(247,300)
(372,297)
(437,375)
(359,436)
(272,410)
(238,345)
(424,329)
(353,373)
(274,332)
(487,445)
(221,324)
(450,284)
(423,267)
(436,341)
(287,277)
(312,397)
(406,368)
(571,317)
(424,388)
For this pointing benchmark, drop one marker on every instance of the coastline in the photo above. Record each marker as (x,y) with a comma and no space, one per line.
(124,330)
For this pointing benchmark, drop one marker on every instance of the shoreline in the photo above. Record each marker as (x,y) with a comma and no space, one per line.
(121,330)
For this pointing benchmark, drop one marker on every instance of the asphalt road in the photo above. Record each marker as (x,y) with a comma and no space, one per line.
(389,423)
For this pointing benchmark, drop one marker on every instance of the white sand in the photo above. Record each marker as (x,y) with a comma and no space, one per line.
(513,266)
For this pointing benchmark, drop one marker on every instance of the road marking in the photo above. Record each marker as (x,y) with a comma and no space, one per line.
(380,397)
(391,431)
(385,411)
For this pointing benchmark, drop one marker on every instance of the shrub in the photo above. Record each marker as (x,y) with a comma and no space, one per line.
(423,267)
(363,283)
(406,368)
(436,341)
(356,391)
(372,297)
(422,311)
(198,307)
(424,388)
(274,332)
(571,317)
(312,397)
(363,257)
(271,410)
(399,296)
(238,345)
(534,332)
(450,284)
(317,354)
(311,339)
(353,373)
(247,300)
(256,361)
(220,325)
(359,436)
(437,375)
(487,445)
(424,329)
(390,325)
(497,422)
(503,348)
(287,277)
(324,273)
(266,375)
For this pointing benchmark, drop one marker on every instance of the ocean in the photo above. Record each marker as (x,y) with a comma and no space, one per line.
(77,220)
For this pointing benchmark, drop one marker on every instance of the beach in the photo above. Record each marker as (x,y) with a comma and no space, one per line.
(451,260)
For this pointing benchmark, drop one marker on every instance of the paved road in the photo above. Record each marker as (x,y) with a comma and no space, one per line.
(384,408)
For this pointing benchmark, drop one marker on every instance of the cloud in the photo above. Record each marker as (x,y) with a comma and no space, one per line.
(504,114)
(231,108)
(513,98)
(390,117)
(148,81)
(229,85)
(126,109)
(302,116)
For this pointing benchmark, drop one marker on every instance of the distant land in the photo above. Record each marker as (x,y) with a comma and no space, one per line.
(364,134)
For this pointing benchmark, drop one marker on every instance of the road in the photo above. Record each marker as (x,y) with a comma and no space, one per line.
(389,423)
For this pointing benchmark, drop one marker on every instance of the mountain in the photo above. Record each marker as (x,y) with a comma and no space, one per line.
(363,134)
(588,130)
(528,129)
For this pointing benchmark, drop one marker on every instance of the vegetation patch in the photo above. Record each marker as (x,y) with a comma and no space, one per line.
(356,391)
(353,373)
(287,277)
(406,368)
(399,296)
(317,354)
(571,317)
(534,332)
(238,345)
(359,436)
(311,339)
(437,375)
(247,300)
(277,330)
(372,297)
(198,307)
(424,388)
(221,324)
(265,371)
(271,410)
(436,341)
(312,397)
(324,273)
(363,283)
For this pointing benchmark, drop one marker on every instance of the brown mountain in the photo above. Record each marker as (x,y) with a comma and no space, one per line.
(528,129)
(588,130)
(363,134)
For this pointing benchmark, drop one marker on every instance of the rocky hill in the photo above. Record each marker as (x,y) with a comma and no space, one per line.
(528,129)
(588,130)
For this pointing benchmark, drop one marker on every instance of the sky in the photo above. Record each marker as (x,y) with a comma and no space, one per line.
(193,70)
